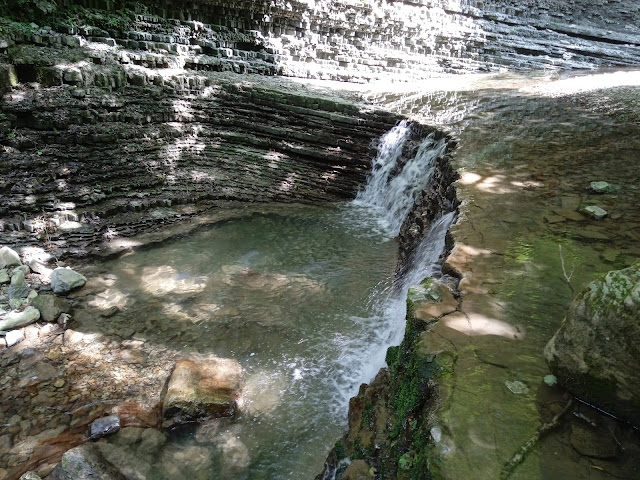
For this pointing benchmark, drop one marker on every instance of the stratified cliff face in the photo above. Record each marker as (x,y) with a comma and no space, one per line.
(367,39)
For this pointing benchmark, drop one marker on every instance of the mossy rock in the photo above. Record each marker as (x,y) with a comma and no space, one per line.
(595,352)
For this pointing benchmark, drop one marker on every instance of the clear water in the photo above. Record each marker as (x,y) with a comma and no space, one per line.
(295,298)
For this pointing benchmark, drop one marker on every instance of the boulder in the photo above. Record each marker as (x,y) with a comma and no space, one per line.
(85,462)
(50,306)
(4,276)
(595,352)
(17,278)
(9,258)
(20,319)
(200,388)
(64,279)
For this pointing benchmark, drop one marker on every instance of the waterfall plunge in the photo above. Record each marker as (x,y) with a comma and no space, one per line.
(393,186)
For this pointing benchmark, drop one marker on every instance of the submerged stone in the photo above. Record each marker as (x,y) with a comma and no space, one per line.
(85,462)
(594,212)
(603,187)
(594,354)
(517,387)
(202,388)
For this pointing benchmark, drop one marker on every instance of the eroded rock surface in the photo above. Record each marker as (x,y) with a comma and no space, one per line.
(595,353)
(200,388)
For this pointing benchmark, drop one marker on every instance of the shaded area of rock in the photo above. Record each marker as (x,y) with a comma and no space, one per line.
(591,443)
(85,462)
(50,306)
(63,280)
(595,352)
(202,388)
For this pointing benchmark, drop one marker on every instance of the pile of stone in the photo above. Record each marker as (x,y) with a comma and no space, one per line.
(24,302)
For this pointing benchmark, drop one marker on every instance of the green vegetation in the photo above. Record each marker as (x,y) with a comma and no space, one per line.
(22,17)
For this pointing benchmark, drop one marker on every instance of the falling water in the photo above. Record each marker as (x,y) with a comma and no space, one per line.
(285,294)
(395,181)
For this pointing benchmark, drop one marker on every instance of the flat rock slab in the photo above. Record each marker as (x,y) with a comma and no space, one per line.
(202,388)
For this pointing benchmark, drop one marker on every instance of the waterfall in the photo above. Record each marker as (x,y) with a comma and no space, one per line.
(395,181)
(390,193)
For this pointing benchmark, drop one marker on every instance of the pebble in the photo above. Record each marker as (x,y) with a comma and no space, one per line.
(105,426)
(594,212)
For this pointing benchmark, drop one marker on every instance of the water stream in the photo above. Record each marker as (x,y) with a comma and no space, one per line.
(303,297)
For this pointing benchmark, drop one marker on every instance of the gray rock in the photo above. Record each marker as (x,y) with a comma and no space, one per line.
(17,278)
(4,277)
(18,291)
(63,280)
(201,388)
(14,337)
(85,462)
(603,187)
(8,257)
(594,212)
(20,319)
(40,268)
(104,426)
(50,306)
(594,354)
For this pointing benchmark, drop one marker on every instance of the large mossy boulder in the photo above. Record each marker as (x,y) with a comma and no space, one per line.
(596,352)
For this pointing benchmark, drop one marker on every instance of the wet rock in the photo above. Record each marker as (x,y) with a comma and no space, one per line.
(104,426)
(603,187)
(85,462)
(592,443)
(50,306)
(202,388)
(594,212)
(63,280)
(9,257)
(594,353)
(14,337)
(20,319)
(358,470)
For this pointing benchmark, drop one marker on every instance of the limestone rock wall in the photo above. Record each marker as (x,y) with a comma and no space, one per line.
(83,162)
(362,40)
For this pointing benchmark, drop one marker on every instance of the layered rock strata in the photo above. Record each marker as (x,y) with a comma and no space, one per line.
(86,163)
(362,41)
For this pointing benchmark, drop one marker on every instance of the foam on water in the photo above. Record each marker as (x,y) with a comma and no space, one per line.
(395,181)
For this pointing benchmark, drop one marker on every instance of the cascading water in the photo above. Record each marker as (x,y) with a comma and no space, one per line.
(283,293)
(395,181)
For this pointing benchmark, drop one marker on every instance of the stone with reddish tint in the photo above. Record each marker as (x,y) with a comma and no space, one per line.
(200,388)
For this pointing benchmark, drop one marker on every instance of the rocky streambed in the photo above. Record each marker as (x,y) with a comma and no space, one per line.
(124,152)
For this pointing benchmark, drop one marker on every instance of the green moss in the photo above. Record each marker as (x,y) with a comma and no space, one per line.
(367,414)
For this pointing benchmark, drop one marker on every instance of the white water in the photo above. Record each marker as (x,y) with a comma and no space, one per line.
(395,182)
(387,198)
